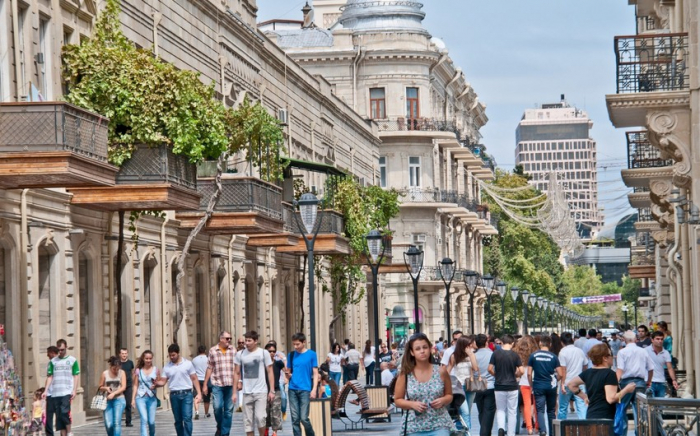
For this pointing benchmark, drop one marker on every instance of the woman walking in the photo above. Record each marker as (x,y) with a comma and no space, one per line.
(334,360)
(144,398)
(368,363)
(424,391)
(464,363)
(525,347)
(113,381)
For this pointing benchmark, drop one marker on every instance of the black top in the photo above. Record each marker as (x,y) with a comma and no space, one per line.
(505,363)
(596,380)
(128,368)
(645,343)
(277,367)
(384,357)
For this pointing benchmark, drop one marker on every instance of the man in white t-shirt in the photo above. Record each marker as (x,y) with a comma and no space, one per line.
(200,363)
(387,376)
(450,351)
(252,365)
(573,362)
(181,377)
(661,359)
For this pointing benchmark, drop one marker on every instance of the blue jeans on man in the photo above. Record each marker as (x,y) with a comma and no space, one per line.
(299,406)
(630,398)
(181,402)
(564,399)
(223,408)
(545,398)
(658,390)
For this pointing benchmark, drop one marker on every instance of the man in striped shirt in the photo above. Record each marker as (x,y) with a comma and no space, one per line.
(62,382)
(220,371)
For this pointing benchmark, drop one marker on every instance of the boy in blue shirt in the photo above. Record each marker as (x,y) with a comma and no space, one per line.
(302,373)
(543,373)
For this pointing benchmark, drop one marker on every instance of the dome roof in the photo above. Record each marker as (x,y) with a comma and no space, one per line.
(383,16)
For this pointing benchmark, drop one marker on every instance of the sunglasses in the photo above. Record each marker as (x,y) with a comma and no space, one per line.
(226,339)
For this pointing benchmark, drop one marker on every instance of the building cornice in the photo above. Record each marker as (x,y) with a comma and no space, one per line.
(630,110)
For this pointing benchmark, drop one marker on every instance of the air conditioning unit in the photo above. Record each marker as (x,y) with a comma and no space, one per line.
(419,239)
(283,116)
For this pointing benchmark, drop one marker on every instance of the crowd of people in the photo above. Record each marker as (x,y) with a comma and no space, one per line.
(531,379)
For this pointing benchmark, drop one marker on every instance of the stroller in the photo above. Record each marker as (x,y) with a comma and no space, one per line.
(458,398)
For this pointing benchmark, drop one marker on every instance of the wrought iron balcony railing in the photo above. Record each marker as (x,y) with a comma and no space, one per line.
(332,220)
(243,194)
(52,126)
(642,154)
(158,165)
(433,273)
(428,195)
(641,189)
(401,124)
(644,214)
(647,63)
(468,203)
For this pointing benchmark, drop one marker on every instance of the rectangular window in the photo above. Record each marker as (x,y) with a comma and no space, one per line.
(419,241)
(377,103)
(67,36)
(382,171)
(45,57)
(414,171)
(412,107)
(22,54)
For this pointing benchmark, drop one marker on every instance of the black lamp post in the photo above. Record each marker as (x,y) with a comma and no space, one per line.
(471,281)
(487,282)
(308,212)
(414,263)
(625,309)
(526,297)
(447,273)
(540,304)
(514,291)
(375,255)
(502,287)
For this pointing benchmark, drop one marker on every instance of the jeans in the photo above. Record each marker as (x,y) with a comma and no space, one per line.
(486,405)
(351,372)
(630,398)
(465,410)
(369,374)
(50,413)
(181,402)
(564,399)
(438,432)
(147,411)
(507,403)
(546,398)
(223,407)
(128,393)
(283,391)
(299,405)
(658,389)
(113,416)
(335,376)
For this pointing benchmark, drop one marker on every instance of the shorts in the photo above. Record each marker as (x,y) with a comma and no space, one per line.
(205,398)
(62,408)
(254,411)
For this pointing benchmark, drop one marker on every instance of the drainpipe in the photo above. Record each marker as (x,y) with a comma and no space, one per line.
(677,294)
(110,271)
(163,273)
(688,298)
(18,61)
(24,301)
(231,289)
(355,66)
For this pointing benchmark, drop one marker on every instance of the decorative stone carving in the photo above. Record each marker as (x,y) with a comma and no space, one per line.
(669,131)
(664,218)
(663,238)
(660,191)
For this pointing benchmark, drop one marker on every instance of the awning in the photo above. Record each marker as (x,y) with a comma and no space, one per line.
(314,166)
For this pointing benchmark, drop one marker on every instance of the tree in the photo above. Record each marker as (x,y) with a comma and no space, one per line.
(582,281)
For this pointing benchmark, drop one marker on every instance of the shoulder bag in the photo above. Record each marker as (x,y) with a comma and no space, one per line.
(475,383)
(99,401)
(155,394)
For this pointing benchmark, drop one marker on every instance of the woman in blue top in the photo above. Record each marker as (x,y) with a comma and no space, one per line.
(144,398)
(423,389)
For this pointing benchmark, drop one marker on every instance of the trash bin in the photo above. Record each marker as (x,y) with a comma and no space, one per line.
(320,417)
(583,427)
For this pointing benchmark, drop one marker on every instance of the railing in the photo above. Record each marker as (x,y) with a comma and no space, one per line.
(428,195)
(647,63)
(641,189)
(433,273)
(667,416)
(158,165)
(243,194)
(468,203)
(489,162)
(644,214)
(645,23)
(52,126)
(401,124)
(332,221)
(642,154)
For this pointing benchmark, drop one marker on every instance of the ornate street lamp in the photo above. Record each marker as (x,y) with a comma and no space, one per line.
(471,282)
(514,292)
(487,282)
(526,296)
(308,225)
(540,304)
(625,309)
(414,263)
(502,289)
(447,273)
(375,255)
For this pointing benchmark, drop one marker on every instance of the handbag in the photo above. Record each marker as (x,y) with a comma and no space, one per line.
(99,401)
(620,418)
(475,384)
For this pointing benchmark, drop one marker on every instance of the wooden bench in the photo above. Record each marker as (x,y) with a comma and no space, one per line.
(354,420)
(583,427)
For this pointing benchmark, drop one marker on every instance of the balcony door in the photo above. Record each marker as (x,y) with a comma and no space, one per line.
(412,108)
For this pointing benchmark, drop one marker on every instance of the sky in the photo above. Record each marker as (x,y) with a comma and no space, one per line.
(520,53)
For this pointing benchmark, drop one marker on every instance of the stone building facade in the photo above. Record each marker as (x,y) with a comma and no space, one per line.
(382,62)
(58,260)
(657,99)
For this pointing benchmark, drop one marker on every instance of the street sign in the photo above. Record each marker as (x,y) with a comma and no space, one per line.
(593,299)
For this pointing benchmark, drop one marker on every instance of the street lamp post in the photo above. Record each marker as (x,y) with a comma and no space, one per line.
(514,291)
(487,282)
(375,255)
(414,263)
(501,286)
(526,296)
(540,304)
(471,282)
(447,273)
(625,309)
(636,323)
(308,212)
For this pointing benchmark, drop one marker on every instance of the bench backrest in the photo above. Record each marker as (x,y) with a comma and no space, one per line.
(361,394)
(339,403)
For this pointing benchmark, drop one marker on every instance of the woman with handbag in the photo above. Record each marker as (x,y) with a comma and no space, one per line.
(113,383)
(463,361)
(144,398)
(424,391)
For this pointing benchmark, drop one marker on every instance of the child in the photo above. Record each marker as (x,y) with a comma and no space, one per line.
(38,416)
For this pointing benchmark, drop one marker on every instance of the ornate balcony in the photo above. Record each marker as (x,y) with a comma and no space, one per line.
(429,196)
(53,145)
(247,206)
(650,63)
(153,179)
(421,124)
(642,154)
(644,214)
